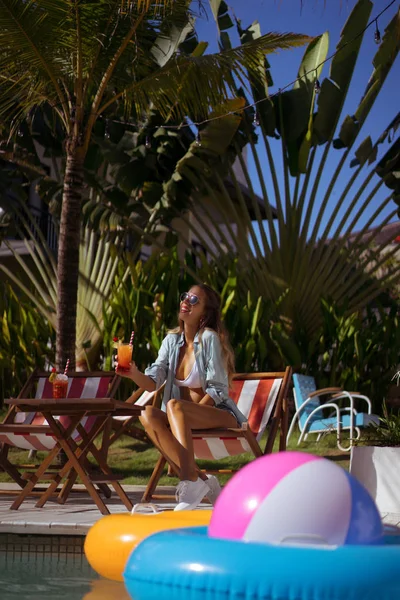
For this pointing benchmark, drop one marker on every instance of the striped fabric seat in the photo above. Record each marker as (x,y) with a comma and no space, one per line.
(262,398)
(256,399)
(78,387)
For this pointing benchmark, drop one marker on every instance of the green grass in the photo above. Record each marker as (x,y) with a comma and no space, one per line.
(135,460)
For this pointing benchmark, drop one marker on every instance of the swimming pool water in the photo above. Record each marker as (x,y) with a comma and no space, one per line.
(43,577)
(40,575)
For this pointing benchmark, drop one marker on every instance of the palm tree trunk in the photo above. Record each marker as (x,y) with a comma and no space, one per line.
(68,259)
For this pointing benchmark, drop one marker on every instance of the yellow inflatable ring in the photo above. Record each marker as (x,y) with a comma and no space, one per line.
(104,589)
(110,541)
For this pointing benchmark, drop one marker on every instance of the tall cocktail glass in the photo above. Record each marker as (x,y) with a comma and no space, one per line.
(124,356)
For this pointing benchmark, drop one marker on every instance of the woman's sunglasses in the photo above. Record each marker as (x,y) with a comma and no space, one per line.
(191,298)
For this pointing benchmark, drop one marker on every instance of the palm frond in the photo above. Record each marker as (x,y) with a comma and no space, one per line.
(207,78)
(22,21)
(97,269)
(160,6)
(296,252)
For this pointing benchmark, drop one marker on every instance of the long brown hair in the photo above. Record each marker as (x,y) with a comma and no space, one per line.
(213,320)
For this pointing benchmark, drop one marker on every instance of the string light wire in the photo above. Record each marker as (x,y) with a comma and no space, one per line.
(313,70)
(257,102)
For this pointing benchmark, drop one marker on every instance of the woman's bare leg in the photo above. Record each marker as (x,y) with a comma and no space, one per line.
(183,416)
(155,423)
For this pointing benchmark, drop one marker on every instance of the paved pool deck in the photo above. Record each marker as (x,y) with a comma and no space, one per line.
(75,517)
(78,514)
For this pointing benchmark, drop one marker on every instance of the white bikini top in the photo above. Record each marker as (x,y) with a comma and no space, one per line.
(192,380)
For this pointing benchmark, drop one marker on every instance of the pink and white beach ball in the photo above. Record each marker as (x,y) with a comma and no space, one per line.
(296,498)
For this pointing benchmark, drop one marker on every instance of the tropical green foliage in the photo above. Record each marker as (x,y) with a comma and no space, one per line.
(356,351)
(146,167)
(359,351)
(387,433)
(98,59)
(117,56)
(26,342)
(294,288)
(134,172)
(147,302)
(37,280)
(307,253)
(302,277)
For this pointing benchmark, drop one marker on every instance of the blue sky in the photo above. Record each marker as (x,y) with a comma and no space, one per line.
(315,17)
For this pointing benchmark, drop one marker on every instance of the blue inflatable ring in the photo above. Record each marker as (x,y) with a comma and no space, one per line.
(186,564)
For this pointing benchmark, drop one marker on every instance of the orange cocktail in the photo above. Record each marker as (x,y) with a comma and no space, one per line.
(124,356)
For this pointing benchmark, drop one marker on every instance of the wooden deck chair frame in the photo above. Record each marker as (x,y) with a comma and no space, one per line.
(279,417)
(26,391)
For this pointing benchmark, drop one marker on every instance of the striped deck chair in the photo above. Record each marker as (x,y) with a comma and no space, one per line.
(262,398)
(80,385)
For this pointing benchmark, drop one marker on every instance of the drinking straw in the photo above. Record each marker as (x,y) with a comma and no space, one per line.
(66,366)
(131,340)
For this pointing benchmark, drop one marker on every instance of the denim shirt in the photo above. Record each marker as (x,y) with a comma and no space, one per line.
(210,366)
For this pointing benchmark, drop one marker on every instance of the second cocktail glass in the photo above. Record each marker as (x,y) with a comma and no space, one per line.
(60,386)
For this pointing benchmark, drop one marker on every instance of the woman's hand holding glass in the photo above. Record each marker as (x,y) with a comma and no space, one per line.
(129,372)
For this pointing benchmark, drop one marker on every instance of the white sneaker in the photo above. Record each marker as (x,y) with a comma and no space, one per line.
(190,493)
(214,489)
